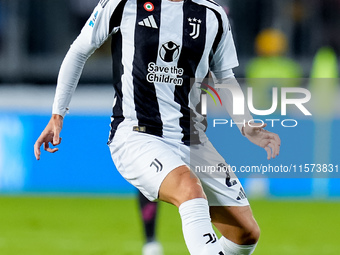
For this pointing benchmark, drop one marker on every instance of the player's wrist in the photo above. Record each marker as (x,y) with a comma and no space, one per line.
(57,120)
(57,117)
(246,129)
(242,131)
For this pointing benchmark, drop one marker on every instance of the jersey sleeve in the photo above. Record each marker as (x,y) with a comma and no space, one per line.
(229,89)
(225,57)
(223,60)
(95,32)
(104,21)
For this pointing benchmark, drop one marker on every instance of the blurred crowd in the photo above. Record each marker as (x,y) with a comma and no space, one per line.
(40,31)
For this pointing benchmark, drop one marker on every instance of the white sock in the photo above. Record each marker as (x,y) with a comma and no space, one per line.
(199,235)
(231,248)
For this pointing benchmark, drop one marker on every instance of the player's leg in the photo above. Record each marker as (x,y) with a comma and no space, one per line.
(240,232)
(156,168)
(184,190)
(148,211)
(229,208)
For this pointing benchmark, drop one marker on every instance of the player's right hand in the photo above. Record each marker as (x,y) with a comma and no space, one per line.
(258,135)
(49,135)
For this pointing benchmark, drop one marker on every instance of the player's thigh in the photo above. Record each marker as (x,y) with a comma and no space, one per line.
(236,223)
(143,160)
(221,186)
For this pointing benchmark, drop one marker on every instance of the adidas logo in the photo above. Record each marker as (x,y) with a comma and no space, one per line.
(148,22)
(241,194)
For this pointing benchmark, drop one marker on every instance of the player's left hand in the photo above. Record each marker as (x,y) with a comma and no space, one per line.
(258,135)
(51,134)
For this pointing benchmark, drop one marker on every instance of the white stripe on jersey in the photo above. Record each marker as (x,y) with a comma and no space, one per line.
(128,30)
(166,91)
(211,33)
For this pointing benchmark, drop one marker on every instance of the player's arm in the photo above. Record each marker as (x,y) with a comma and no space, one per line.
(91,37)
(68,78)
(224,59)
(255,132)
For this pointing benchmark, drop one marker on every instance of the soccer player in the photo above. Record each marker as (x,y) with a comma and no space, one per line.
(157,135)
(149,214)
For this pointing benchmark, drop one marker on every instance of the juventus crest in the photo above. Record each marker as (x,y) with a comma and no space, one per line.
(196,27)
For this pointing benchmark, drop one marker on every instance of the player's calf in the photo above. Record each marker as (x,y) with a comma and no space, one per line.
(184,190)
(238,227)
(198,233)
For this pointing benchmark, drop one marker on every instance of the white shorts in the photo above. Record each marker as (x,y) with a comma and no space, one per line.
(145,160)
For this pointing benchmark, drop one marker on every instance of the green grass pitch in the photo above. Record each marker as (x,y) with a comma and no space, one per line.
(111,226)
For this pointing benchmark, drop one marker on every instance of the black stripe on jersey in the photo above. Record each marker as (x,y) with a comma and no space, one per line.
(117,71)
(146,51)
(116,16)
(194,40)
(219,32)
(213,2)
(103,3)
(117,67)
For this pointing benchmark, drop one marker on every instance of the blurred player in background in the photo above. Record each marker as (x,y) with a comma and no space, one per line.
(271,68)
(149,211)
(271,62)
(157,136)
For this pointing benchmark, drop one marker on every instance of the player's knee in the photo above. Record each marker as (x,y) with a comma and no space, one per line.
(180,186)
(189,189)
(251,235)
(193,190)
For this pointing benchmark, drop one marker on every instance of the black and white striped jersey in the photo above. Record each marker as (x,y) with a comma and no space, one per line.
(158,46)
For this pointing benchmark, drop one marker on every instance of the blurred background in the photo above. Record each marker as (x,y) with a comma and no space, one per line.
(34,34)
(297,41)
